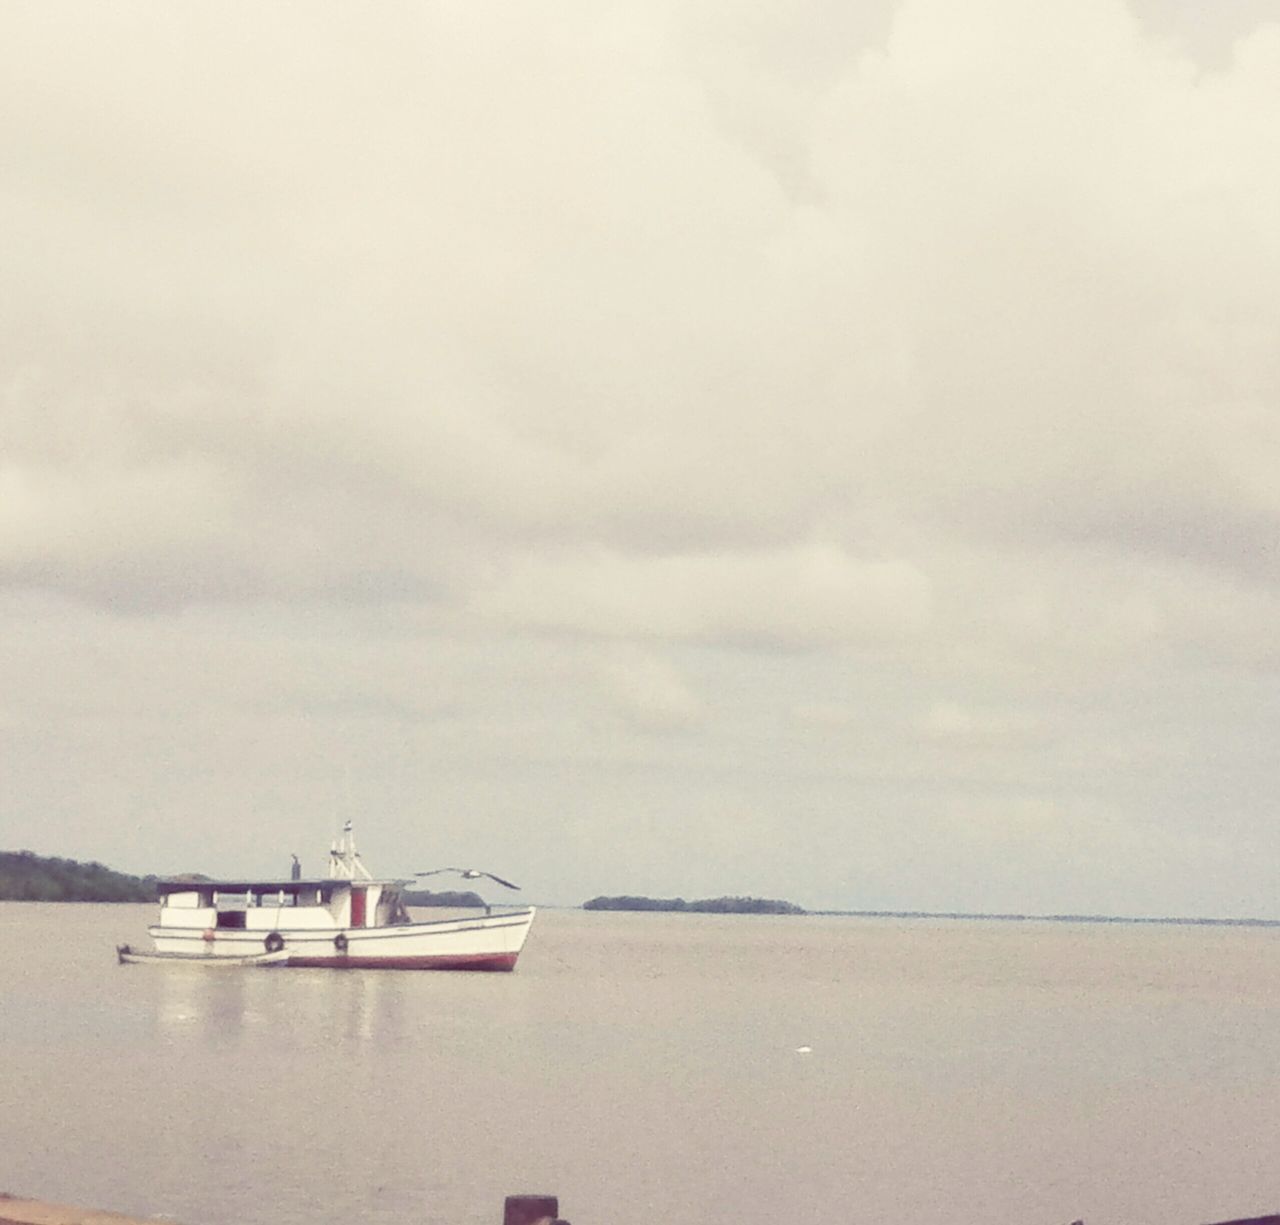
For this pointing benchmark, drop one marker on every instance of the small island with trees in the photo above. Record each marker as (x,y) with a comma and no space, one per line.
(711,905)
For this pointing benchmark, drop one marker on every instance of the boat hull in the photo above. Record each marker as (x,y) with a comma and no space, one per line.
(489,943)
(461,961)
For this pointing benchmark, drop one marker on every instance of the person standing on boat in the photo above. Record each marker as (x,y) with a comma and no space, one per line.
(295,872)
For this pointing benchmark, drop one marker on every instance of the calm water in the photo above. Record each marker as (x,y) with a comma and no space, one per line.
(644,1068)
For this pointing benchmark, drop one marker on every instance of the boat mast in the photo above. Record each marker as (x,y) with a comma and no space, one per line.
(344,859)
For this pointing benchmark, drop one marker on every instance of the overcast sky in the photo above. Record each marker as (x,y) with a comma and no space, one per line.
(817,450)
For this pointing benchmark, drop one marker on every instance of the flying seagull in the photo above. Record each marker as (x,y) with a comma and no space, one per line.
(469,874)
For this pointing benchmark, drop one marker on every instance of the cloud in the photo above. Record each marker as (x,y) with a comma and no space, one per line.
(811,595)
(647,691)
(1022,294)
(950,722)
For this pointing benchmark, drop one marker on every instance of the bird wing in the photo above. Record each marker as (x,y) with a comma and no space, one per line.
(500,881)
(469,874)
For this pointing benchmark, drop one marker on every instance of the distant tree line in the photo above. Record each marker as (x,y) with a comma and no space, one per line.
(446,897)
(710,905)
(27,877)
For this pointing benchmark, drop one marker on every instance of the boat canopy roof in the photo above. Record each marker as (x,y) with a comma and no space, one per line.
(269,886)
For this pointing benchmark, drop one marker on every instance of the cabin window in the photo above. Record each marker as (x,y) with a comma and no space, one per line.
(231,918)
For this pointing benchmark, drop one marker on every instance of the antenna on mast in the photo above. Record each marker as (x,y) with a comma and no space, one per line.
(344,859)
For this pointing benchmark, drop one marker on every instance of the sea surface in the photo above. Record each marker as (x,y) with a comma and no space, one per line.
(656,1068)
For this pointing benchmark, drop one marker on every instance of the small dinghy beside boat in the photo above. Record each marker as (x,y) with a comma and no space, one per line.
(133,957)
(348,920)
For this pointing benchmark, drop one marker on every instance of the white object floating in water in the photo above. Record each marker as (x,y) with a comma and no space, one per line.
(804,1050)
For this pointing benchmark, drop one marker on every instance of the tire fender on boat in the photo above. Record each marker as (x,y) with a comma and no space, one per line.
(340,942)
(274,942)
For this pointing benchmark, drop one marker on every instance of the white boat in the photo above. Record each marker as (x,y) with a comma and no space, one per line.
(346,920)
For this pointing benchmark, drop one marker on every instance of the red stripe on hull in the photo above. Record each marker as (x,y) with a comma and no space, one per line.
(461,961)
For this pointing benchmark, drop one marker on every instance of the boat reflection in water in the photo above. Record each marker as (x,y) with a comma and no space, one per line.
(225,1010)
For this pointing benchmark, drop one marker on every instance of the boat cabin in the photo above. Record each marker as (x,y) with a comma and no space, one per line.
(271,905)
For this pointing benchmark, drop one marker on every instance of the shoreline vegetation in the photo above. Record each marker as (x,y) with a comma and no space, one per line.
(709,905)
(28,877)
(446,897)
